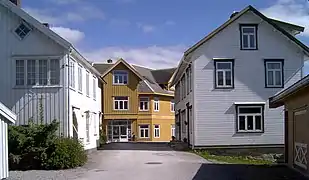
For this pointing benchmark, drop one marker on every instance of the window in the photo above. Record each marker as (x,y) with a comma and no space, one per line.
(54,72)
(31,72)
(156,104)
(183,121)
(224,74)
(43,72)
(172,106)
(274,73)
(87,127)
(87,84)
(120,77)
(121,103)
(173,130)
(157,131)
(22,30)
(188,80)
(20,72)
(250,118)
(94,116)
(182,90)
(80,79)
(37,72)
(72,74)
(144,131)
(184,85)
(94,84)
(143,103)
(191,78)
(248,37)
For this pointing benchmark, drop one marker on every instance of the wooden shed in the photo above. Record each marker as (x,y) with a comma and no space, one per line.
(6,117)
(296,101)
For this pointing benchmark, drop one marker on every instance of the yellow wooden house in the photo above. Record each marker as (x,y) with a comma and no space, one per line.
(137,103)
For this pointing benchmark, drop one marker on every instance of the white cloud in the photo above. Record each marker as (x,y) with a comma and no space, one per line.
(293,11)
(145,27)
(72,35)
(152,57)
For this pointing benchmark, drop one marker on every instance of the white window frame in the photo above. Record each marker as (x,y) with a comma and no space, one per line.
(87,84)
(224,71)
(121,73)
(94,117)
(94,86)
(87,127)
(172,107)
(254,33)
(143,129)
(173,133)
(18,35)
(246,118)
(37,75)
(156,131)
(143,103)
(21,71)
(80,78)
(156,104)
(121,101)
(274,72)
(72,73)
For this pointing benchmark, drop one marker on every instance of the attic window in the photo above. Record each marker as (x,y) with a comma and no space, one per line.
(22,30)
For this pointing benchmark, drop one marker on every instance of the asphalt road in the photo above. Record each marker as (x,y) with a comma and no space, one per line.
(126,161)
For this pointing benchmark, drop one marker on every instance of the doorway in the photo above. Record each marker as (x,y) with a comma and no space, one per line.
(119,130)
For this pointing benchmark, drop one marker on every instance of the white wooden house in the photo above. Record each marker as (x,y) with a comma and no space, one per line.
(6,117)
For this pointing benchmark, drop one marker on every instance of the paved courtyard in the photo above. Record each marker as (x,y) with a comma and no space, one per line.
(125,161)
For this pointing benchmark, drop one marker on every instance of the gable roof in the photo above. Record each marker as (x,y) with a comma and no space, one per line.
(278,99)
(110,68)
(272,22)
(150,80)
(48,32)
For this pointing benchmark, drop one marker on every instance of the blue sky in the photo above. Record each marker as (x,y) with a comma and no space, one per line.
(150,32)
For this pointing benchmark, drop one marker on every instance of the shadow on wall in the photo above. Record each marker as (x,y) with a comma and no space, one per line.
(246,172)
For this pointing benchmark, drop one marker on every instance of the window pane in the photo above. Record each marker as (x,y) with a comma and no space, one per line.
(146,105)
(142,133)
(125,104)
(248,110)
(278,77)
(120,79)
(248,29)
(141,105)
(270,78)
(121,98)
(220,78)
(20,72)
(245,41)
(31,72)
(43,72)
(116,80)
(156,126)
(250,122)
(143,126)
(241,122)
(120,104)
(274,65)
(146,133)
(116,105)
(252,41)
(222,65)
(258,122)
(228,78)
(54,72)
(125,79)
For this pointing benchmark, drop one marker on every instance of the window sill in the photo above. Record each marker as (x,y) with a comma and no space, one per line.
(228,87)
(36,87)
(274,87)
(156,111)
(80,92)
(144,137)
(121,109)
(248,49)
(144,110)
(73,89)
(120,84)
(249,132)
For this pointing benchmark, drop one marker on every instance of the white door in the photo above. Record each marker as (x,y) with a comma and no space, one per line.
(123,133)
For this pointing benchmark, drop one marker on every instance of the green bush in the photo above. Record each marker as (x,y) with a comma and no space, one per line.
(32,146)
(103,137)
(66,153)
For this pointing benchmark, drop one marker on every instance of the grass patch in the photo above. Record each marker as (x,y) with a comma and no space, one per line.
(234,159)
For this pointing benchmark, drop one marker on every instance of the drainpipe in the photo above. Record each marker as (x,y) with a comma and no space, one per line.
(68,88)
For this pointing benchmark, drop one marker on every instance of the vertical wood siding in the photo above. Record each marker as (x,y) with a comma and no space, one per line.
(4,166)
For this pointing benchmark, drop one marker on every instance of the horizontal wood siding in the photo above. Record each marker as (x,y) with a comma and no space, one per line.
(215,117)
(130,90)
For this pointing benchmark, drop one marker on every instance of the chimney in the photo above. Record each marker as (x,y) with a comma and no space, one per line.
(16,2)
(109,61)
(233,14)
(46,25)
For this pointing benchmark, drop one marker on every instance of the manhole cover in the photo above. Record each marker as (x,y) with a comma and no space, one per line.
(153,163)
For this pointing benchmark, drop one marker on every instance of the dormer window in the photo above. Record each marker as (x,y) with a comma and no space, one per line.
(248,37)
(120,77)
(22,30)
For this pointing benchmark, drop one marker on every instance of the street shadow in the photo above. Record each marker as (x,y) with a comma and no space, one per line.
(246,172)
(138,146)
